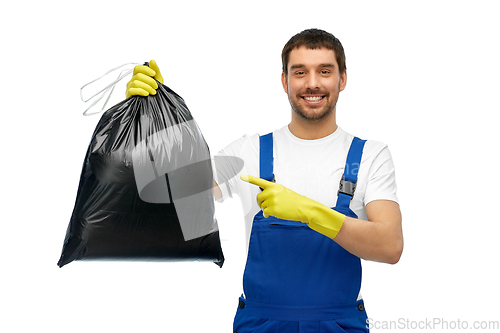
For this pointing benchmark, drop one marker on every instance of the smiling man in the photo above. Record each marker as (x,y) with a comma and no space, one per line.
(318,200)
(313,82)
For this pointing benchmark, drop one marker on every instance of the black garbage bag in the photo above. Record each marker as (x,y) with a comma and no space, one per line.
(146,188)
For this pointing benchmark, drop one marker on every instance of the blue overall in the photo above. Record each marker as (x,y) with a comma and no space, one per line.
(297,280)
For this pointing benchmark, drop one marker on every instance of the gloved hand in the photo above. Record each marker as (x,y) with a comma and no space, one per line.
(142,82)
(283,203)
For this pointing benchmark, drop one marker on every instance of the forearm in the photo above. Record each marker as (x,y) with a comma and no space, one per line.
(217,191)
(378,239)
(375,241)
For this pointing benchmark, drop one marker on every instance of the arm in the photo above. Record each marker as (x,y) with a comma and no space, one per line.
(378,239)
(217,191)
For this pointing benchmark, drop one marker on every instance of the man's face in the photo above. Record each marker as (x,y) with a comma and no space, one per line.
(313,82)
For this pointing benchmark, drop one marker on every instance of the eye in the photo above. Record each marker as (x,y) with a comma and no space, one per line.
(300,73)
(325,72)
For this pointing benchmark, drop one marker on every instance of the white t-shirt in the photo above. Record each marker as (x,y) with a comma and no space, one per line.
(309,167)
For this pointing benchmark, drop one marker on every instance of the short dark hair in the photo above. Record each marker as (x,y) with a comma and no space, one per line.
(313,39)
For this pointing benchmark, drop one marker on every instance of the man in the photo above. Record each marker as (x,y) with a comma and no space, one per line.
(303,271)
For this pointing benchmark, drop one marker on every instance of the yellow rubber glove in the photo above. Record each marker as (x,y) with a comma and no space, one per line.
(142,82)
(283,203)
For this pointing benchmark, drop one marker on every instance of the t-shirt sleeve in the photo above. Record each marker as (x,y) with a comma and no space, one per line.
(381,183)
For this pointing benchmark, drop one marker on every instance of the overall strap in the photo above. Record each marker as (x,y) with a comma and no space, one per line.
(350,176)
(266,157)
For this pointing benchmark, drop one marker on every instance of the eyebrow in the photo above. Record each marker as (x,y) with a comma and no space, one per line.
(302,66)
(296,67)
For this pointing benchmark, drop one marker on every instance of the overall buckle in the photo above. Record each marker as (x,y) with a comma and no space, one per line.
(347,187)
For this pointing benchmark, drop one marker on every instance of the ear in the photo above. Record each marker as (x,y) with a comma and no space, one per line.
(284,82)
(343,81)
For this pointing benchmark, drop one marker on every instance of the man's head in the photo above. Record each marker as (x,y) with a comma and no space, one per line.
(313,39)
(313,75)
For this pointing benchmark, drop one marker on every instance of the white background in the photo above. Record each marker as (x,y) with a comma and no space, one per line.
(423,76)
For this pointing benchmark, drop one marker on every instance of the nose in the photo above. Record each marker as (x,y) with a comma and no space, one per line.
(313,81)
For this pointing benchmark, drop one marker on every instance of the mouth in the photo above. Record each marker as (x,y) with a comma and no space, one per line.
(313,99)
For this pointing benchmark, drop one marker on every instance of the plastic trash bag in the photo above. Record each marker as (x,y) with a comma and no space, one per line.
(146,188)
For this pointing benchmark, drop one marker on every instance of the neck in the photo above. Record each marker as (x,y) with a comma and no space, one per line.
(312,130)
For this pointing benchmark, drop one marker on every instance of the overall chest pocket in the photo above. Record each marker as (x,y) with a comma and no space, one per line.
(275,222)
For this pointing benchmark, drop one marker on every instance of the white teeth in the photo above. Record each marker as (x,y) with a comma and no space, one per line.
(313,99)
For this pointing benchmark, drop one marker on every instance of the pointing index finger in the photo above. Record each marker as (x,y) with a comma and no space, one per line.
(256,181)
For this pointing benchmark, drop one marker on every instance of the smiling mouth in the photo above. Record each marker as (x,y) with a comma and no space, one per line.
(313,98)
